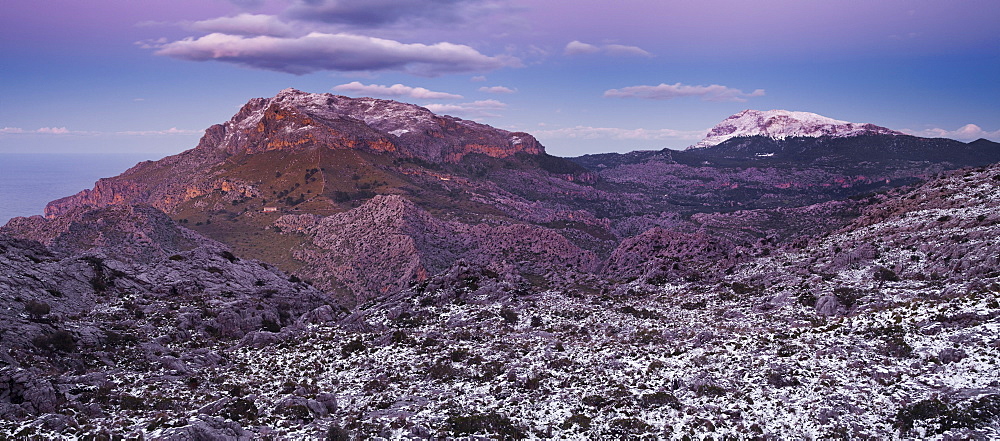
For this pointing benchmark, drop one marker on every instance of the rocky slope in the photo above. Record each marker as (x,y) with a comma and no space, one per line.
(389,243)
(840,336)
(85,324)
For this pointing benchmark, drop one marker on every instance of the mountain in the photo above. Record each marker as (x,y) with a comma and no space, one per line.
(323,267)
(781,124)
(293,123)
(782,162)
(343,160)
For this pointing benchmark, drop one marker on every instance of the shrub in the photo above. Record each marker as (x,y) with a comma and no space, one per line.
(491,423)
(37,309)
(442,371)
(661,398)
(337,433)
(624,427)
(60,340)
(847,296)
(743,288)
(352,346)
(240,409)
(595,401)
(578,419)
(509,316)
(884,274)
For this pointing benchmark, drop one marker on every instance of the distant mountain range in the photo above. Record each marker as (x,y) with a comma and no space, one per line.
(334,267)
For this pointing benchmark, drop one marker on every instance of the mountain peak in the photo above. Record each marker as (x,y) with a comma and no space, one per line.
(294,119)
(780,124)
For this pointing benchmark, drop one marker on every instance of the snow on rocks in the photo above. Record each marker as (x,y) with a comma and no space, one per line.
(781,124)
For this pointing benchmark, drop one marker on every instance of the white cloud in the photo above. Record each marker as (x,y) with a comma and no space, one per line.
(170,131)
(968,132)
(587,132)
(319,51)
(497,89)
(244,24)
(577,47)
(483,108)
(154,43)
(619,49)
(53,130)
(714,92)
(65,131)
(478,79)
(387,13)
(395,90)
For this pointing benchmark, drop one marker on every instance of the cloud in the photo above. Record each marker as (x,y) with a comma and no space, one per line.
(714,92)
(152,43)
(247,4)
(497,89)
(382,13)
(394,90)
(42,131)
(483,108)
(170,131)
(53,130)
(478,78)
(319,51)
(968,132)
(576,47)
(587,132)
(65,131)
(244,24)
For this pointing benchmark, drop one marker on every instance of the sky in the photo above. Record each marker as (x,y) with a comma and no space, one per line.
(147,77)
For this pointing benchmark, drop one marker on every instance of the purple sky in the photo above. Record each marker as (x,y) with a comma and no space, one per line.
(584,76)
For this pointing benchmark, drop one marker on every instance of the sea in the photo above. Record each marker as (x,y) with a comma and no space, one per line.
(28,181)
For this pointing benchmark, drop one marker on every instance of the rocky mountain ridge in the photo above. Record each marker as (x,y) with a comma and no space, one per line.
(295,119)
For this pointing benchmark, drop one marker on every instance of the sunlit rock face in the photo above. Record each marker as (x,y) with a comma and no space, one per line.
(295,120)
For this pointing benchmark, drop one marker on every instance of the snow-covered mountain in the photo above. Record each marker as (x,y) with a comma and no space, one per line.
(780,124)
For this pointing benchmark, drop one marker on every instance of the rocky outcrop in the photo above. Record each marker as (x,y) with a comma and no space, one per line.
(125,303)
(389,243)
(164,183)
(940,233)
(659,255)
(132,232)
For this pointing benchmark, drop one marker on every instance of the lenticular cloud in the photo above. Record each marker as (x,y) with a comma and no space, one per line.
(335,52)
(714,92)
